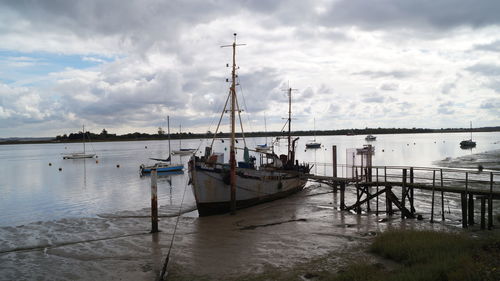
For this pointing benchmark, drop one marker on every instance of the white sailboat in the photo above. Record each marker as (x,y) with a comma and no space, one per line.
(222,187)
(164,165)
(263,147)
(79,155)
(183,151)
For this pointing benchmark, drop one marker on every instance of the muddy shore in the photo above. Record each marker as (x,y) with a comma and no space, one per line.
(280,235)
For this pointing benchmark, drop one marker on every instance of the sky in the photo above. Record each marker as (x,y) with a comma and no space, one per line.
(124,66)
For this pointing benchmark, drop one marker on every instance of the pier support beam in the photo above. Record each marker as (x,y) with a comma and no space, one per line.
(470,212)
(463,204)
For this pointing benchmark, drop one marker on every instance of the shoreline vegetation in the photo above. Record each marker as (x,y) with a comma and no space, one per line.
(104,136)
(412,254)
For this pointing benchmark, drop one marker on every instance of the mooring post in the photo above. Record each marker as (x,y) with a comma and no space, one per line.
(490,203)
(412,206)
(376,172)
(470,201)
(463,203)
(154,202)
(404,192)
(442,196)
(342,196)
(334,164)
(432,200)
(483,210)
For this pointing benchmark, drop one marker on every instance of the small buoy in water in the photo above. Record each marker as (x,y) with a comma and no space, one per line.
(480,168)
(382,150)
(50,164)
(146,147)
(96,156)
(434,142)
(118,165)
(407,144)
(96,161)
(60,169)
(414,143)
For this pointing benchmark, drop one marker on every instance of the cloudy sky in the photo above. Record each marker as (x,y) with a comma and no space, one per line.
(126,65)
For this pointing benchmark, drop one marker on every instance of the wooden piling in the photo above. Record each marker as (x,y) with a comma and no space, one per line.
(490,203)
(483,210)
(442,195)
(412,205)
(403,192)
(470,212)
(376,172)
(342,195)
(154,202)
(463,204)
(432,200)
(334,165)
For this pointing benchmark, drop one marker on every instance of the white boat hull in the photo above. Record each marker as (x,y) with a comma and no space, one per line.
(78,156)
(213,193)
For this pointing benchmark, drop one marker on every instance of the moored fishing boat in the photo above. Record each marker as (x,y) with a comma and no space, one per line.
(221,187)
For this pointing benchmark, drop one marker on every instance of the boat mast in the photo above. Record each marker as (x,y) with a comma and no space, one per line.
(168,132)
(232,155)
(83,135)
(289,121)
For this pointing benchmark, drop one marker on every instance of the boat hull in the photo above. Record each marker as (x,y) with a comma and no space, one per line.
(160,169)
(78,156)
(213,192)
(313,145)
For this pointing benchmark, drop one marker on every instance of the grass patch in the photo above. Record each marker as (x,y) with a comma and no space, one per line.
(429,255)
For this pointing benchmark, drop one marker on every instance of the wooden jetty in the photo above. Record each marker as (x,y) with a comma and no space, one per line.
(371,182)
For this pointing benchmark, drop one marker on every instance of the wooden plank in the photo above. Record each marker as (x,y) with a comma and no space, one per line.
(406,213)
(361,202)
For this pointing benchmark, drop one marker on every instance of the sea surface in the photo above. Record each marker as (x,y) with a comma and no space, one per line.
(36,184)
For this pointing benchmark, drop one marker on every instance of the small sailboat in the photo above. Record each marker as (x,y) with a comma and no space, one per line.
(80,155)
(220,187)
(371,138)
(468,143)
(183,151)
(313,143)
(164,165)
(263,147)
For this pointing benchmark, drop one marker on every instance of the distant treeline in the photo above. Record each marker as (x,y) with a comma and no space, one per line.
(105,136)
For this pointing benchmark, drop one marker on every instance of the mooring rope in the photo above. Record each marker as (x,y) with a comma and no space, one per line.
(165,265)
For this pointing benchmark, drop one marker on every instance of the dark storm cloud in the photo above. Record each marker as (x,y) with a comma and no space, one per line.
(442,14)
(382,74)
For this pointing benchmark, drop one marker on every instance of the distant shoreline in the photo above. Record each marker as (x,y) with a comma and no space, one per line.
(148,137)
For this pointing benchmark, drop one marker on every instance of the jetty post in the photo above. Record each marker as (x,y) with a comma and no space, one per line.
(154,201)
(470,203)
(442,195)
(432,200)
(334,165)
(490,203)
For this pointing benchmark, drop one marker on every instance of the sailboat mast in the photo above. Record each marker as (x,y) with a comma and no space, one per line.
(83,135)
(232,155)
(289,121)
(168,132)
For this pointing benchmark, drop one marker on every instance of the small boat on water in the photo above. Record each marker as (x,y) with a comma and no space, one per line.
(313,143)
(80,155)
(164,165)
(263,147)
(221,187)
(183,151)
(468,143)
(371,138)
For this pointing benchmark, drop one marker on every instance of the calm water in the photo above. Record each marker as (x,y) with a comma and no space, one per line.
(31,190)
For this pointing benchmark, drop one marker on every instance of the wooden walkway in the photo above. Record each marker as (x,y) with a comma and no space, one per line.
(373,182)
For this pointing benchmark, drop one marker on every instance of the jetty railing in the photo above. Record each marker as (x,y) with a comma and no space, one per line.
(469,184)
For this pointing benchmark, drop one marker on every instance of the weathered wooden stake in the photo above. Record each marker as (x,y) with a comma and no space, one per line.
(442,196)
(334,165)
(404,192)
(432,202)
(342,195)
(470,212)
(490,203)
(154,202)
(412,206)
(463,201)
(376,171)
(483,211)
